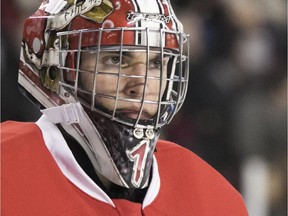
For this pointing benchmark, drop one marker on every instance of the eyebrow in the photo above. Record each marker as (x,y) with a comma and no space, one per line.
(130,54)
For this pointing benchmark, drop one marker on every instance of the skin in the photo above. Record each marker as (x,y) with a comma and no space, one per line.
(133,63)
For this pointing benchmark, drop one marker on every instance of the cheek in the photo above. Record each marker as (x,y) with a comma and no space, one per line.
(106,84)
(164,81)
(86,81)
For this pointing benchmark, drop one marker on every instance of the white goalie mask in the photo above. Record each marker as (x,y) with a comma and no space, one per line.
(112,73)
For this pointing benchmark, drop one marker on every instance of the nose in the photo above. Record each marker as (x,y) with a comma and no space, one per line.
(135,81)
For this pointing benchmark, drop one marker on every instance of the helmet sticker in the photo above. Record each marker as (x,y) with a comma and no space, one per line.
(95,10)
(156,17)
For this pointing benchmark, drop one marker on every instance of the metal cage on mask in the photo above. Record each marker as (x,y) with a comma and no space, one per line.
(55,39)
(152,41)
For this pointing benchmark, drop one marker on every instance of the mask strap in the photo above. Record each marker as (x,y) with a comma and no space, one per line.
(67,113)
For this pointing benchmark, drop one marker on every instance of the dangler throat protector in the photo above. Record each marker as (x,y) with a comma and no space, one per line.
(131,149)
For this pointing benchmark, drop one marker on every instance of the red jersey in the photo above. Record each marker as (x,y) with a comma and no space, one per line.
(37,179)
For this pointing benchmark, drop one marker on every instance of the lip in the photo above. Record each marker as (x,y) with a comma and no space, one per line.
(133,114)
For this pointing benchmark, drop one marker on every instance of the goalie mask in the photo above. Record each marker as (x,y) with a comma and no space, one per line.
(112,73)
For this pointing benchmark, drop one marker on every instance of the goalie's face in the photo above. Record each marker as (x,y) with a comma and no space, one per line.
(129,84)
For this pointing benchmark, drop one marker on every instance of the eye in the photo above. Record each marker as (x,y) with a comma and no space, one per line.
(114,60)
(156,63)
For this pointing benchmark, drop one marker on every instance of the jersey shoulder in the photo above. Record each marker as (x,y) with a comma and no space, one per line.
(184,174)
(12,130)
(173,156)
(180,155)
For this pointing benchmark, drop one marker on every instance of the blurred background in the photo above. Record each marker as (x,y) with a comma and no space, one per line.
(235,114)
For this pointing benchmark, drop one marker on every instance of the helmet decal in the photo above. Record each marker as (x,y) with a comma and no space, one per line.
(94,10)
(135,17)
